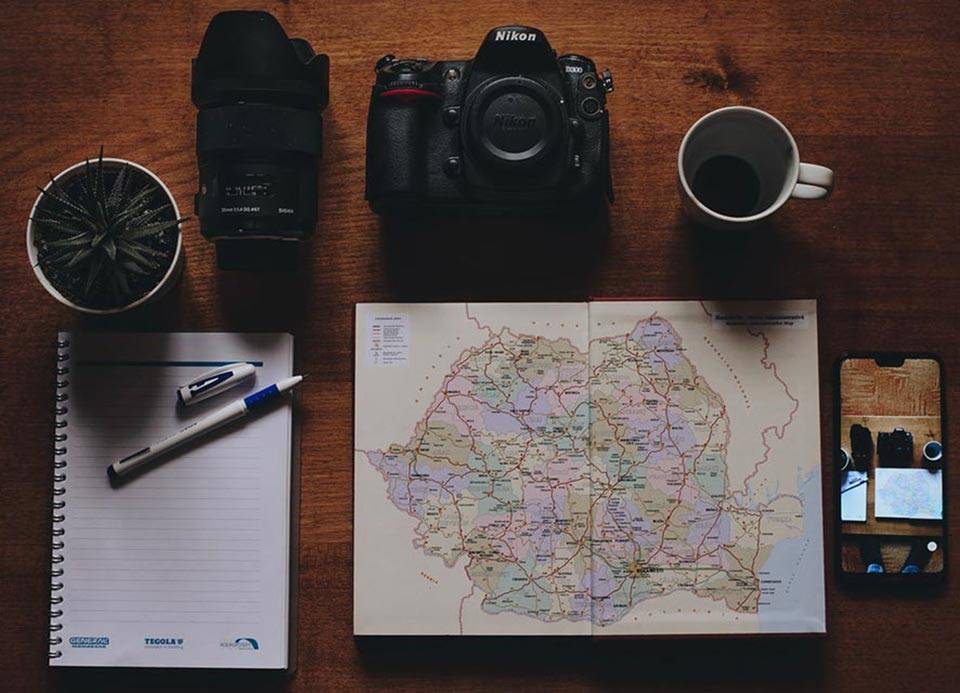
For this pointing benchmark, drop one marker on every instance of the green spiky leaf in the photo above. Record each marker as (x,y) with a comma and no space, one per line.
(136,252)
(95,266)
(81,239)
(137,204)
(133,267)
(117,191)
(80,256)
(141,247)
(101,185)
(135,233)
(64,200)
(58,224)
(149,215)
(121,276)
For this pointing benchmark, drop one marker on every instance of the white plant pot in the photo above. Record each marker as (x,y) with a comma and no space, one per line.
(168,280)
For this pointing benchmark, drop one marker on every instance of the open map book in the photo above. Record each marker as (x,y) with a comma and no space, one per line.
(611,468)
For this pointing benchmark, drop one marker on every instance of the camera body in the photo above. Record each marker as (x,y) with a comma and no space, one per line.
(895,448)
(516,130)
(259,95)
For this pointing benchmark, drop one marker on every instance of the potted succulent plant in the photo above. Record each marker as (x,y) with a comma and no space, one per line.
(104,236)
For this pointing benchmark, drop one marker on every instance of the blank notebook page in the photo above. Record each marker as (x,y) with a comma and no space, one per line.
(186,565)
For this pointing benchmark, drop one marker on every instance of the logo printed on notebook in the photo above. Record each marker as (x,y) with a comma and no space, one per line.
(90,641)
(167,643)
(242,644)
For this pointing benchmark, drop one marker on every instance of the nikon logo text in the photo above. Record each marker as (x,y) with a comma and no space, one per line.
(508,121)
(514,35)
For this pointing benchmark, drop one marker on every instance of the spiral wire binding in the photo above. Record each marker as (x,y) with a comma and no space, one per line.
(58,516)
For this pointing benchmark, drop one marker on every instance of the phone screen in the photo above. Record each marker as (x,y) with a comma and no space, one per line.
(891,464)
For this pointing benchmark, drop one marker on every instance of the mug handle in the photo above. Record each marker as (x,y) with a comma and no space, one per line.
(813,183)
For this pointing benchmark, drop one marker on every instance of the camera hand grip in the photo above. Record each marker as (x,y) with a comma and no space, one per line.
(396,154)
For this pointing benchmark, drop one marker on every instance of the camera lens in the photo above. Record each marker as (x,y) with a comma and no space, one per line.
(589,81)
(258,95)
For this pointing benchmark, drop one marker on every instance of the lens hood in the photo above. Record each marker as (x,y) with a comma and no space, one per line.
(246,55)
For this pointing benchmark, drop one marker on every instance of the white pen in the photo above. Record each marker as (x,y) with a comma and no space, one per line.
(223,416)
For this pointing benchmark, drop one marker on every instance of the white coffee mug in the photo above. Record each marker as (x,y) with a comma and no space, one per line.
(752,168)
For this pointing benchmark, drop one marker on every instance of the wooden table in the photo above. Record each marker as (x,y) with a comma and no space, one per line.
(869,89)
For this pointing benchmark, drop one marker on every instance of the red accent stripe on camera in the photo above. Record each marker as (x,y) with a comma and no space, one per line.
(408,92)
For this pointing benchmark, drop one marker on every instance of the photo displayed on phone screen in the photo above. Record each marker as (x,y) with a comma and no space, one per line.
(891,466)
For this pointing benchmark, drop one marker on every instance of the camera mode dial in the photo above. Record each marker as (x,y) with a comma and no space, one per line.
(407,77)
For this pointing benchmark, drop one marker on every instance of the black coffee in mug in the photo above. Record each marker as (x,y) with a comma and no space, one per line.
(727,185)
(738,165)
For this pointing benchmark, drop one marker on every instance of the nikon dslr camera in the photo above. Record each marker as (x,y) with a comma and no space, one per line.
(516,130)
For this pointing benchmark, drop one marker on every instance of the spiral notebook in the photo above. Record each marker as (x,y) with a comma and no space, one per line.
(188,564)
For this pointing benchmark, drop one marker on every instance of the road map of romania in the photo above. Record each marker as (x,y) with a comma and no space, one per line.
(576,485)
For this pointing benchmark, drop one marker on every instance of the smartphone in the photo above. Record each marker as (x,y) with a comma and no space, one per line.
(891,464)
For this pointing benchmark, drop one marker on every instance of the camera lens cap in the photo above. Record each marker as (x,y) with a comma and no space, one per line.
(513,125)
(514,121)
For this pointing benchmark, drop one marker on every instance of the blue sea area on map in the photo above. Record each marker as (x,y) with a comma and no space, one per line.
(791,580)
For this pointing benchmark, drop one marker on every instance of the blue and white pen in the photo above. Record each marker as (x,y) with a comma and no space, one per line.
(221,417)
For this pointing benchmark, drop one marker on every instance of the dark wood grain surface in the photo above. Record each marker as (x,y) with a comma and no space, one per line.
(868,88)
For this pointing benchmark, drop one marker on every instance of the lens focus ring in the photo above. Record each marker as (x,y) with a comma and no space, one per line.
(259,127)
